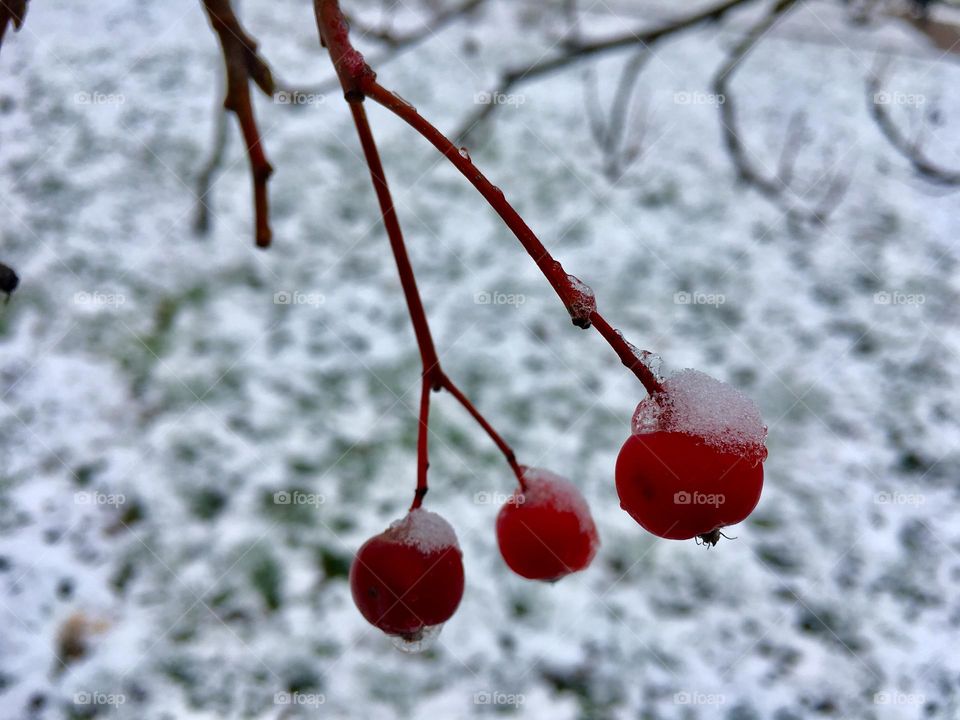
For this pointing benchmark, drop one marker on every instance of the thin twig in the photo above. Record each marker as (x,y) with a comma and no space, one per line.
(610,134)
(201,218)
(776,187)
(433,376)
(912,150)
(399,45)
(575,52)
(243,64)
(351,69)
(568,288)
(11,11)
(507,451)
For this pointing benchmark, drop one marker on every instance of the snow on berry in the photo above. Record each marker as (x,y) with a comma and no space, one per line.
(424,530)
(693,403)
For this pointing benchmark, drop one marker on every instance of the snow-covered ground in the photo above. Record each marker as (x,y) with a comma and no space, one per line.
(155,397)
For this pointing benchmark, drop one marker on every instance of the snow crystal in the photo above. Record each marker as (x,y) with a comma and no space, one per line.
(652,361)
(424,530)
(694,403)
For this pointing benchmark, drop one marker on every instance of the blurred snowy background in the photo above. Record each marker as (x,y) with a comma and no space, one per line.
(155,397)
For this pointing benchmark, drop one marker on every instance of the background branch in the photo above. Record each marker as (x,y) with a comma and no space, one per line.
(777,187)
(912,150)
(11,11)
(243,64)
(575,51)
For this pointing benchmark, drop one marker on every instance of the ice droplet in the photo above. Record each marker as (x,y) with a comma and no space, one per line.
(696,404)
(419,642)
(580,300)
(651,361)
(464,153)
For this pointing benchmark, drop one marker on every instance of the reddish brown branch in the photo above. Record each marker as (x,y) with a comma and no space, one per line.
(335,36)
(482,422)
(428,353)
(243,64)
(433,375)
(11,11)
(351,69)
(566,286)
(423,430)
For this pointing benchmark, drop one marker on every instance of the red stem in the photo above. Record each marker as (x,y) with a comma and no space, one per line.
(433,375)
(428,353)
(482,421)
(551,269)
(423,461)
(261,170)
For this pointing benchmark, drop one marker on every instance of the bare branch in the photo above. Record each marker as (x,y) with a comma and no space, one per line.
(912,150)
(11,11)
(773,187)
(797,137)
(243,64)
(943,35)
(201,218)
(609,133)
(575,52)
(397,44)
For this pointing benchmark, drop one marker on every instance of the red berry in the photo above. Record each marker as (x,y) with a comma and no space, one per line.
(678,487)
(545,531)
(694,462)
(409,577)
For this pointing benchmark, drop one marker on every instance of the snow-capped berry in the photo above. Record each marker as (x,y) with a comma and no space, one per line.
(409,578)
(545,531)
(693,464)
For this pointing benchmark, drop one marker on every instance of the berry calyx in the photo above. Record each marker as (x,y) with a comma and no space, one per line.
(545,530)
(694,463)
(409,578)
